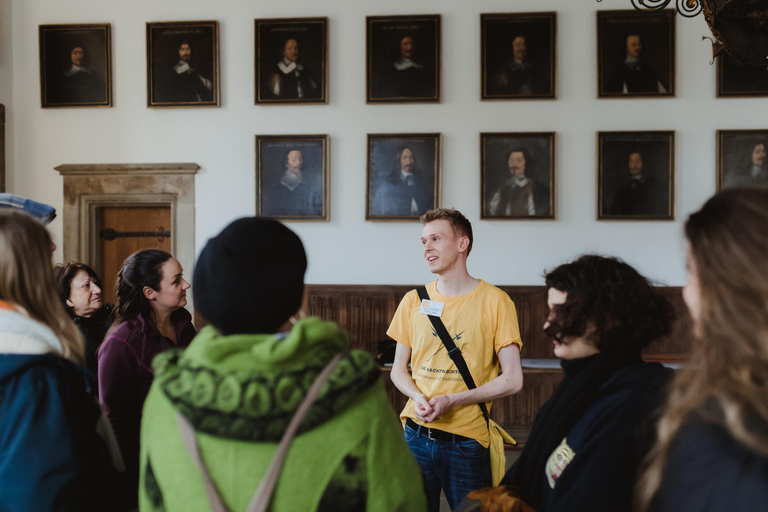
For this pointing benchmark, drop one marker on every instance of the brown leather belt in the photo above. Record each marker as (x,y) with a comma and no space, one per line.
(435,434)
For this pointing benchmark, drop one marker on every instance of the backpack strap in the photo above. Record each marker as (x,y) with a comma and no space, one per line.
(263,494)
(454,352)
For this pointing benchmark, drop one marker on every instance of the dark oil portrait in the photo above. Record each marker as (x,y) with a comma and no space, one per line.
(183,64)
(636,175)
(292,177)
(403,59)
(741,158)
(517,175)
(403,175)
(291,60)
(741,79)
(518,56)
(75,67)
(636,53)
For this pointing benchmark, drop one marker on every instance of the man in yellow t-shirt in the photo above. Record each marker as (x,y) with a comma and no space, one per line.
(444,426)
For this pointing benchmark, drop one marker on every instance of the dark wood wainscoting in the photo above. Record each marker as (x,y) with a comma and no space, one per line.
(365,311)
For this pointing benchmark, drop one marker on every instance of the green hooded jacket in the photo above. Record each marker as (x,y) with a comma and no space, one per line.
(239,393)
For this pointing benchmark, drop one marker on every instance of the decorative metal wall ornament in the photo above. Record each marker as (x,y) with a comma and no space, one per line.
(687,8)
(740,27)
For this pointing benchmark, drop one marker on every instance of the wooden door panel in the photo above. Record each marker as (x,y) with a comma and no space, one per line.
(147,219)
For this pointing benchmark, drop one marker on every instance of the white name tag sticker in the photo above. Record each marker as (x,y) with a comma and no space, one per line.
(432,308)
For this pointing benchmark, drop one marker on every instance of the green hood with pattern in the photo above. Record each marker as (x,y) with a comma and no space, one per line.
(247,387)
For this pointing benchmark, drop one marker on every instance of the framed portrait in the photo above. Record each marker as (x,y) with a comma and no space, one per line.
(403,59)
(741,80)
(404,175)
(292,180)
(636,175)
(517,176)
(636,54)
(518,56)
(183,64)
(741,158)
(291,60)
(75,65)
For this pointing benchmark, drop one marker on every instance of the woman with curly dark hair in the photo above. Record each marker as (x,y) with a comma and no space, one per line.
(586,442)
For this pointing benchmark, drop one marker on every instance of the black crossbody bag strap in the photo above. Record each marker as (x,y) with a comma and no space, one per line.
(454,352)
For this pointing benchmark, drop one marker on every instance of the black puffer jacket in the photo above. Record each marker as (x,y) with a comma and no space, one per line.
(595,467)
(708,470)
(94,329)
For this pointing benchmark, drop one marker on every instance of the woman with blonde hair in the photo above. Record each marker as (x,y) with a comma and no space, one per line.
(51,457)
(712,446)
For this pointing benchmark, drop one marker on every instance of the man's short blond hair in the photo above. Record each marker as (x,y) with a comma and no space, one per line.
(457,220)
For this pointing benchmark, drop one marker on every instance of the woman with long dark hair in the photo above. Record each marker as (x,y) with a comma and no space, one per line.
(712,447)
(51,457)
(149,319)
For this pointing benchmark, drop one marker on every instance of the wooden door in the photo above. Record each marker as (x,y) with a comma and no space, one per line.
(123,231)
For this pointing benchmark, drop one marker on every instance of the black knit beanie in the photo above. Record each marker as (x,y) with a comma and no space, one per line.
(250,278)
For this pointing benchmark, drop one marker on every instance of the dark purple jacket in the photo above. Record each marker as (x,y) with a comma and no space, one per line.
(125,375)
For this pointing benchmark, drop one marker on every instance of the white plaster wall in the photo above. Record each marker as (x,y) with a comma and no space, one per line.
(6,79)
(348,249)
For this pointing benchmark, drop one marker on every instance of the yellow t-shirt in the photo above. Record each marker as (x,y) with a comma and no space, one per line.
(481,322)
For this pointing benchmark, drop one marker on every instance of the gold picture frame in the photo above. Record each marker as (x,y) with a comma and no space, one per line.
(518,176)
(518,56)
(741,158)
(183,64)
(404,175)
(75,65)
(636,54)
(293,177)
(291,61)
(740,80)
(403,59)
(636,175)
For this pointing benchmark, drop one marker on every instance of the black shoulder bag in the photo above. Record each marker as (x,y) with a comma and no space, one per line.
(498,436)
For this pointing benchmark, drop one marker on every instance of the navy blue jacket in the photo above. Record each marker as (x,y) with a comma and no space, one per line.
(708,470)
(51,458)
(608,443)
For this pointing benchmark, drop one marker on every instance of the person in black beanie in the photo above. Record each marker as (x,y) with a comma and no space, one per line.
(588,439)
(261,263)
(241,381)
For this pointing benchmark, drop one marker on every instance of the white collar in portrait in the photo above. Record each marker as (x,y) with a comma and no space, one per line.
(519,182)
(632,62)
(182,67)
(404,64)
(75,69)
(517,64)
(286,66)
(290,180)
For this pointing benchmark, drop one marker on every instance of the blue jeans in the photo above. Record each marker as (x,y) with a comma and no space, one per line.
(458,467)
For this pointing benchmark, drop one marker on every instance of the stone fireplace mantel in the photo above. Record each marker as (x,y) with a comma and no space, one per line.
(88,187)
